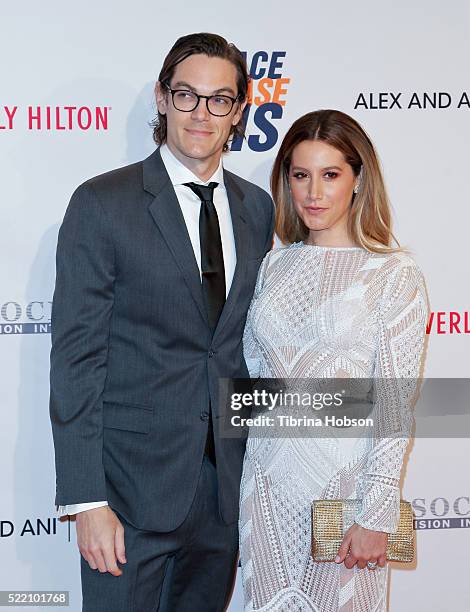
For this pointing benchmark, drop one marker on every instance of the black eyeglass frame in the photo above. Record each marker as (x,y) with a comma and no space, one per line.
(199,96)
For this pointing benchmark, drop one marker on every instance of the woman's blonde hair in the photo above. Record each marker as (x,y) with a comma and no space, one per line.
(370,216)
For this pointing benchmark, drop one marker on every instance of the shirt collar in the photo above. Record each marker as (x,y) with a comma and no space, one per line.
(179,174)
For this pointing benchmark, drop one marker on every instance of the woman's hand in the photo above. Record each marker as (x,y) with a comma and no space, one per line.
(361,545)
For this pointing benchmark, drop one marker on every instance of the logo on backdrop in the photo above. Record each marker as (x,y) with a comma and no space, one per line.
(55,118)
(442,513)
(448,322)
(35,527)
(31,318)
(266,100)
(423,100)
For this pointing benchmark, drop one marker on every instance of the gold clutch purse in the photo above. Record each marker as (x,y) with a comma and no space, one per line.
(331,518)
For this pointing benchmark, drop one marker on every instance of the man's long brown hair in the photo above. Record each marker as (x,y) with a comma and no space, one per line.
(212,45)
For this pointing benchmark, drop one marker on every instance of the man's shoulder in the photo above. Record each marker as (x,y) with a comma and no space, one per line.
(115,191)
(116,180)
(247,187)
(120,187)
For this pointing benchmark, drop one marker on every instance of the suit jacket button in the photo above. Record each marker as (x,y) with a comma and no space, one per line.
(204,416)
(211,353)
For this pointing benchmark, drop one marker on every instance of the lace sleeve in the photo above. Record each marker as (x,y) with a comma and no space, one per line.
(251,350)
(402,324)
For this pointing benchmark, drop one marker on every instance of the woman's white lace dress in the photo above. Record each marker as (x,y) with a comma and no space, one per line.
(325,312)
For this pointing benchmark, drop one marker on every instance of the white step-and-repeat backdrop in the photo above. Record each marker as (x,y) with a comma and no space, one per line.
(76,98)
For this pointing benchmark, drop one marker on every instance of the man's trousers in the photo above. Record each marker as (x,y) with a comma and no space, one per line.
(190,569)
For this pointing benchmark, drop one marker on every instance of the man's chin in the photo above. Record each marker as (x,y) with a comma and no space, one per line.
(196,151)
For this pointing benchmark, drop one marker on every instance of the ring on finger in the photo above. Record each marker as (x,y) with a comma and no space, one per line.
(372,565)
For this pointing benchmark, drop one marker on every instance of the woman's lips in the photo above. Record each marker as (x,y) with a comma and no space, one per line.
(314,210)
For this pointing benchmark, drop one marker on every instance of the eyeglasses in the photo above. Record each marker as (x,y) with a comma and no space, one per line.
(186,101)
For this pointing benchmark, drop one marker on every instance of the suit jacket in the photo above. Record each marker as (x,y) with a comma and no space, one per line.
(134,366)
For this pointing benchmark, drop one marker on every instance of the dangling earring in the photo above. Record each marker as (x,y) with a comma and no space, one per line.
(359,180)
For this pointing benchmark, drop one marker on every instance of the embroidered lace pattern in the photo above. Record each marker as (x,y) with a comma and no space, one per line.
(327,312)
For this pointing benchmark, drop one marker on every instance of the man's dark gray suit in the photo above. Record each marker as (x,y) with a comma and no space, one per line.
(134,365)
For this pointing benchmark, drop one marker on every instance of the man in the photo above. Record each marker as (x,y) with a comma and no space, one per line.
(156,266)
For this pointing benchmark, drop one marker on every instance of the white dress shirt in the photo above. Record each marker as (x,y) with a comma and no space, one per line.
(190,207)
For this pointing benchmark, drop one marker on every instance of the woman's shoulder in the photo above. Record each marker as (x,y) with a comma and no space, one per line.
(398,278)
(395,262)
(283,249)
(278,252)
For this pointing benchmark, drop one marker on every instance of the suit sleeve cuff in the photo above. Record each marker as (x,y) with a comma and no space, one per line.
(76,508)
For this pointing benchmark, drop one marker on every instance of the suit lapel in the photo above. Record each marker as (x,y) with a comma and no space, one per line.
(166,213)
(235,198)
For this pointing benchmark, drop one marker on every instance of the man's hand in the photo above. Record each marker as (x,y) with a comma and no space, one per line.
(100,538)
(361,545)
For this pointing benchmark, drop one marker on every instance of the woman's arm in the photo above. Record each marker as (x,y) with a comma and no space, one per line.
(402,324)
(251,350)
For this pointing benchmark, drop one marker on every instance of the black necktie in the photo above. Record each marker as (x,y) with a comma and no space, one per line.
(212,259)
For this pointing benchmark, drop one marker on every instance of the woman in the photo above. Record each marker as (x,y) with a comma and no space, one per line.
(339,302)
